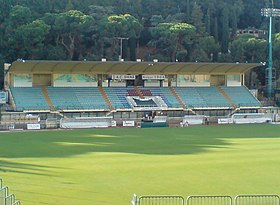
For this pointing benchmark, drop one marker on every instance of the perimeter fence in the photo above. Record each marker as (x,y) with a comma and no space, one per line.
(6,198)
(259,199)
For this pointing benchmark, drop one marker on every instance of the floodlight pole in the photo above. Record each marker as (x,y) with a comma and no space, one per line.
(270,12)
(121,42)
(270,61)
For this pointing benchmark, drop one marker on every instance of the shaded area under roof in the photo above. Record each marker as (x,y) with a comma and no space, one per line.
(129,67)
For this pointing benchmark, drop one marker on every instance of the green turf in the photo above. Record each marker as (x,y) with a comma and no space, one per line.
(106,166)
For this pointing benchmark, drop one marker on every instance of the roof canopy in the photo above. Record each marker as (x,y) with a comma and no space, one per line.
(129,67)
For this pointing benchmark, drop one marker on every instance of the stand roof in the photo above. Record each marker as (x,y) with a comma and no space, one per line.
(129,67)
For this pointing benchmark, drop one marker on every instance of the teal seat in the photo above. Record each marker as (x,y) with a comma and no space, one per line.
(241,96)
(29,98)
(76,98)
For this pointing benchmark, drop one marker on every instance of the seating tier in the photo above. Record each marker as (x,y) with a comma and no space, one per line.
(76,98)
(89,98)
(241,96)
(117,96)
(29,98)
(164,93)
(202,97)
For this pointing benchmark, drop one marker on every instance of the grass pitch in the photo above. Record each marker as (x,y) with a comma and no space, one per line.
(106,166)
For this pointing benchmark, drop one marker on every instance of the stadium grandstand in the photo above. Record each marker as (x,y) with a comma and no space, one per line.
(103,88)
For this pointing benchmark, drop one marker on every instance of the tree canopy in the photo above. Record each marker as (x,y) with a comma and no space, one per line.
(170,30)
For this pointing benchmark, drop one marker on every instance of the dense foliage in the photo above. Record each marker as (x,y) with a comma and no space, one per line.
(169,30)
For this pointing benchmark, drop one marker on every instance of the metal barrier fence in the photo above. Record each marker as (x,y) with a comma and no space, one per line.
(161,200)
(5,197)
(207,200)
(257,200)
(134,200)
(10,200)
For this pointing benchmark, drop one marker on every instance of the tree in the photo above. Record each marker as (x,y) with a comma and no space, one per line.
(276,52)
(236,12)
(208,21)
(210,46)
(188,11)
(217,18)
(177,34)
(100,12)
(199,55)
(19,15)
(121,26)
(225,30)
(248,48)
(255,50)
(1,73)
(215,29)
(197,19)
(69,28)
(5,8)
(28,40)
(156,19)
(251,14)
